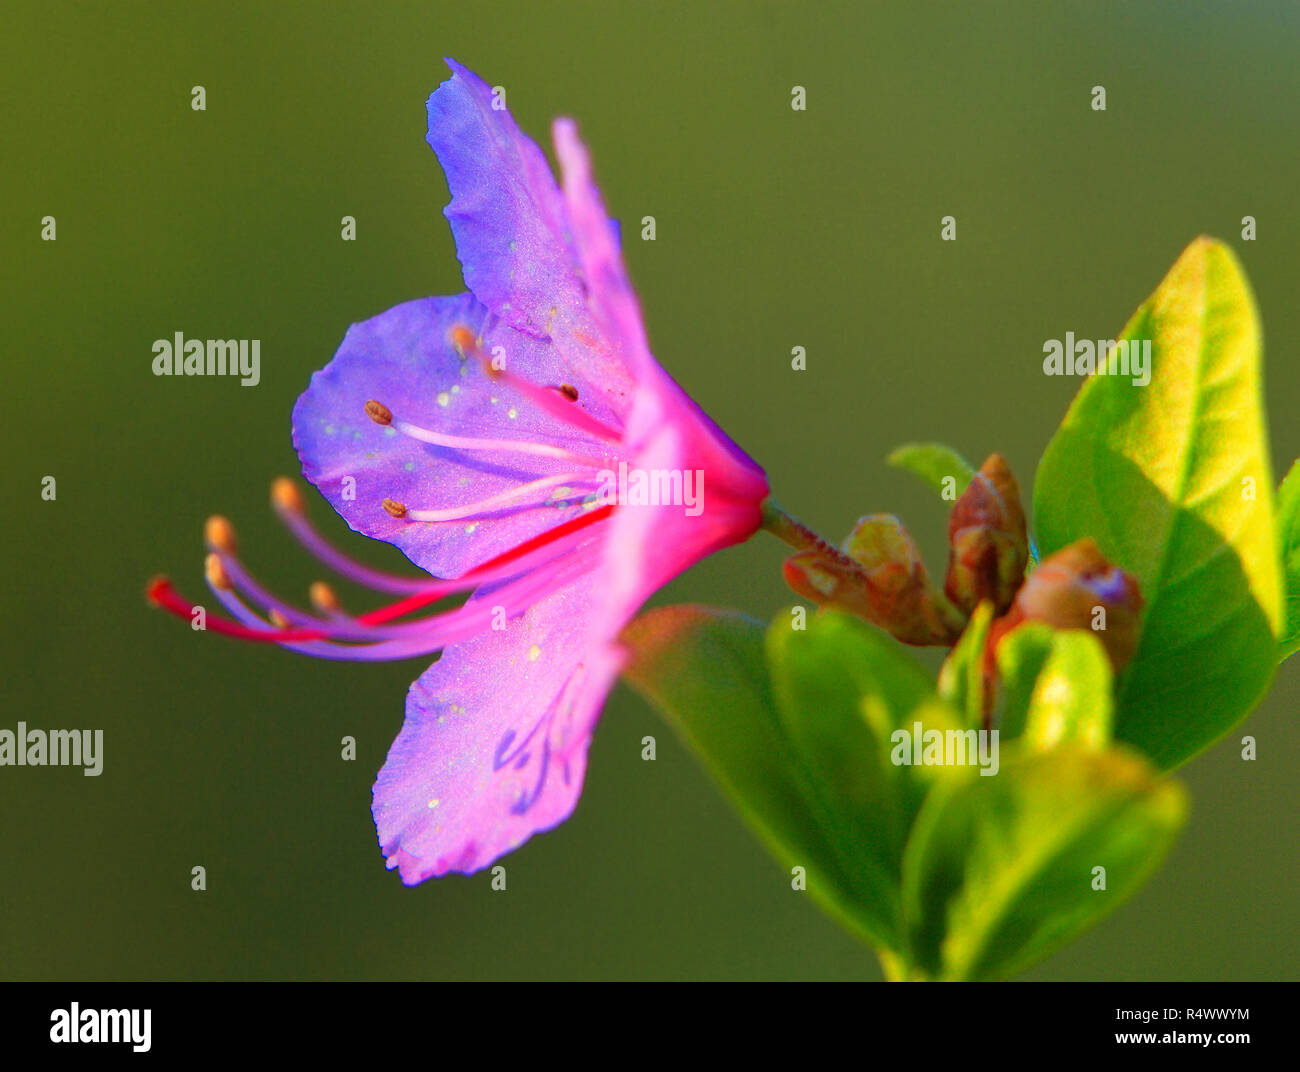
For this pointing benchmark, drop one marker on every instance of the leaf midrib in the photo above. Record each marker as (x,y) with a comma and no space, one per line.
(1176,499)
(1007,892)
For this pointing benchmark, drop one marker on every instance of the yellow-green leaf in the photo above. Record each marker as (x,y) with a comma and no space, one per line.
(1001,871)
(1173,481)
(1056,687)
(1288,538)
(935,464)
(961,678)
(706,671)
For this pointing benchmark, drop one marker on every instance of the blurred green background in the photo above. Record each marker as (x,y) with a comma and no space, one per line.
(775,229)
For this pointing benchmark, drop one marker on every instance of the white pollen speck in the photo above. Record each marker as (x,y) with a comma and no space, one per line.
(512,413)
(455,388)
(471,526)
(444,398)
(534,653)
(434,802)
(493,401)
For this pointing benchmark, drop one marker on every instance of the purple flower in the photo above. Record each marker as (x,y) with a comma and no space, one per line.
(520,441)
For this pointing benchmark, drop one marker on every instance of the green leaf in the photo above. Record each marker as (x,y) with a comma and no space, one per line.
(934,463)
(1056,686)
(1021,656)
(797,728)
(706,671)
(999,871)
(961,678)
(1155,474)
(1288,538)
(842,690)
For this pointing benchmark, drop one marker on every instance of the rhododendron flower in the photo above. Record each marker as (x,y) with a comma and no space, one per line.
(480,434)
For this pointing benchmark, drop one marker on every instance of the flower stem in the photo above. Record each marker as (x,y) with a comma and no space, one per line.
(799,536)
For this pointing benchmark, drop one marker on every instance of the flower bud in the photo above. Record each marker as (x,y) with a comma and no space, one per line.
(1076,588)
(989,541)
(881,578)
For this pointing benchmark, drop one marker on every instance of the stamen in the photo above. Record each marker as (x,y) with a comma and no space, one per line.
(219,534)
(422,638)
(568,391)
(323,598)
(162,593)
(337,627)
(484,573)
(379,413)
(535,581)
(309,642)
(289,504)
(285,496)
(550,536)
(238,578)
(292,511)
(543,450)
(463,339)
(517,496)
(216,572)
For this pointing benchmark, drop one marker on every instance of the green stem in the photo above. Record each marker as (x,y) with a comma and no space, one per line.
(799,536)
(892,965)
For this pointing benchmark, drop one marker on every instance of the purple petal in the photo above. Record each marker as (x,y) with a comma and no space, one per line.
(403,359)
(505,211)
(511,232)
(494,746)
(646,546)
(614,301)
(596,242)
